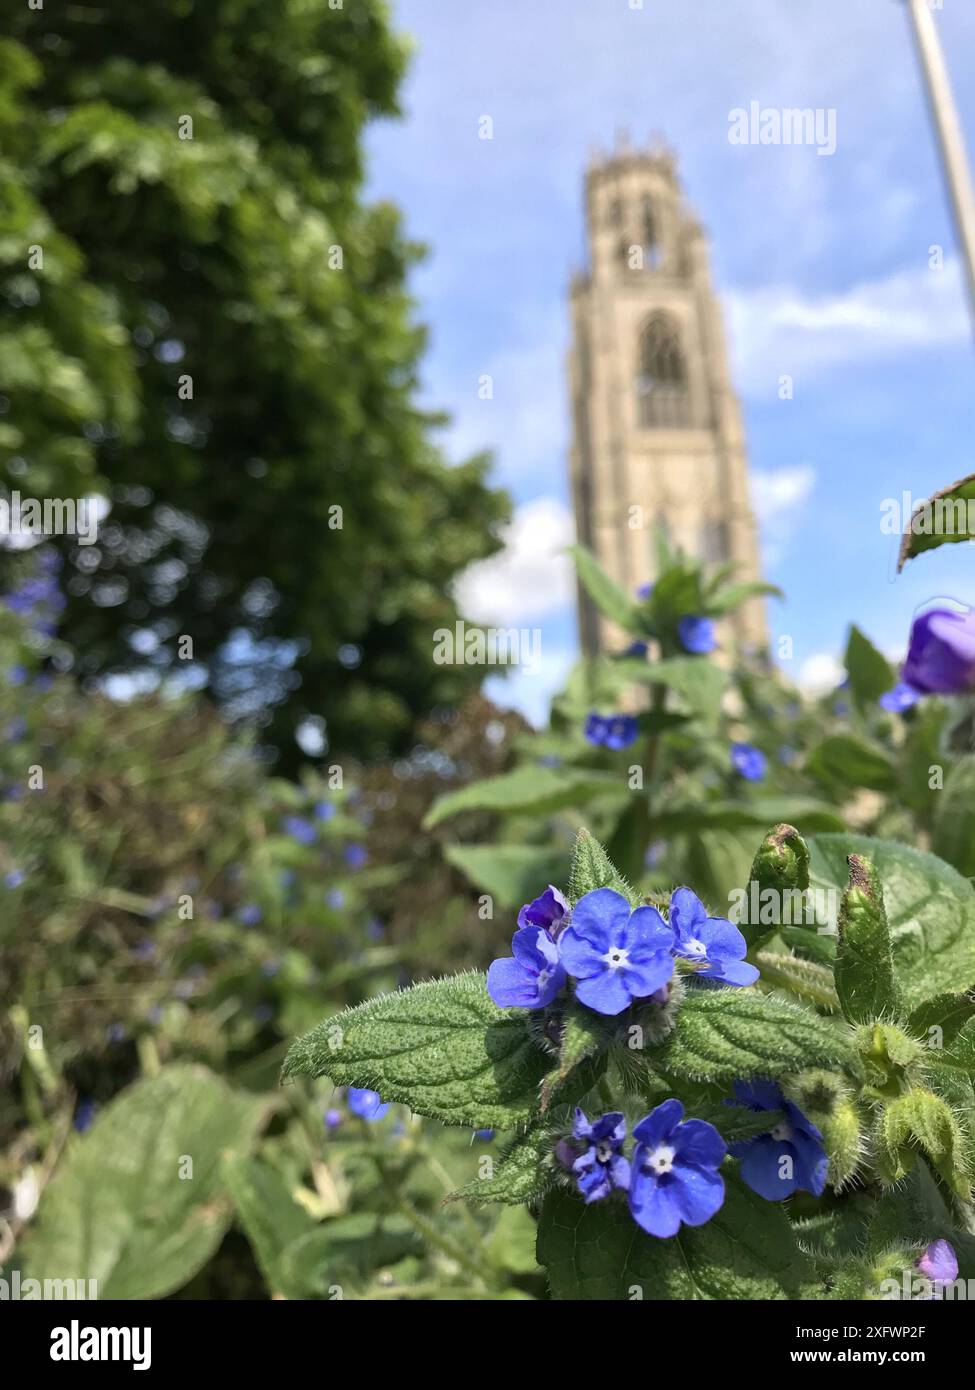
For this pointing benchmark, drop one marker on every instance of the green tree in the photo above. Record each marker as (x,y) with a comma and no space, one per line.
(200,317)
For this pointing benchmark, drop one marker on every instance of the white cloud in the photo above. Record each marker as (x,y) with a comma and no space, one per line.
(779,496)
(531,577)
(821,672)
(777,330)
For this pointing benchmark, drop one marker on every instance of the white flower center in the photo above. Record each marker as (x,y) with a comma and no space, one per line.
(617,957)
(543,978)
(604,1151)
(783,1131)
(661,1160)
(695,947)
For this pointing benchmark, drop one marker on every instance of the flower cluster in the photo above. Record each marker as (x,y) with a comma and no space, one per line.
(613,731)
(615,953)
(672,1178)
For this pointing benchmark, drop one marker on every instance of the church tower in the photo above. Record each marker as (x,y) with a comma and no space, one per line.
(657,431)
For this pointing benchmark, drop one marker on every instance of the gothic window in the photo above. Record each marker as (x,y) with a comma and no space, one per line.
(662,395)
(651,238)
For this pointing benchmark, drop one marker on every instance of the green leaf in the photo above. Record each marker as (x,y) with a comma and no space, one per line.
(953,828)
(942,520)
(122,1209)
(947,1012)
(608,597)
(512,1243)
(527,790)
(522,1173)
(699,683)
(511,874)
(592,869)
(864,969)
(726,1034)
(442,1048)
(930,911)
(271,1218)
(869,670)
(734,595)
(692,816)
(746,1251)
(809,981)
(852,762)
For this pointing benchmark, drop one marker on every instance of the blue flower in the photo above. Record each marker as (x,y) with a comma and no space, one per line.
(546,911)
(644,591)
(324,810)
(356,856)
(532,976)
(14,878)
(335,898)
(748,762)
(638,648)
(616,953)
(602,1166)
(366,1104)
(333,1118)
(16,675)
(84,1115)
(697,635)
(250,914)
(674,1178)
(713,941)
(485,1135)
(612,731)
(901,698)
(791,1157)
(299,829)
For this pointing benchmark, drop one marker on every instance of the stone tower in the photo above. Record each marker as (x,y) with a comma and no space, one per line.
(657,431)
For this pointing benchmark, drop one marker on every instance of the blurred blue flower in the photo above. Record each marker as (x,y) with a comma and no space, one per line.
(611,731)
(115,1033)
(714,942)
(84,1115)
(16,675)
(674,1178)
(325,810)
(144,949)
(748,762)
(16,729)
(250,914)
(333,1118)
(697,635)
(901,698)
(263,1013)
(485,1135)
(638,648)
(366,1104)
(616,953)
(335,898)
(356,856)
(299,829)
(644,591)
(14,878)
(602,1166)
(791,1157)
(269,968)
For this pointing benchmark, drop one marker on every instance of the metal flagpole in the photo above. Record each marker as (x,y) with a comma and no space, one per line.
(950,138)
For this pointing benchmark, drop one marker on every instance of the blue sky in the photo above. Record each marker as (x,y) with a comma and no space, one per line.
(822,263)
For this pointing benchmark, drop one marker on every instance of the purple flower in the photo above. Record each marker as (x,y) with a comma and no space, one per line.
(713,941)
(546,911)
(644,591)
(333,1118)
(366,1104)
(941,654)
(939,1263)
(602,1166)
(697,635)
(902,697)
(299,829)
(356,856)
(748,762)
(791,1157)
(615,952)
(674,1179)
(532,975)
